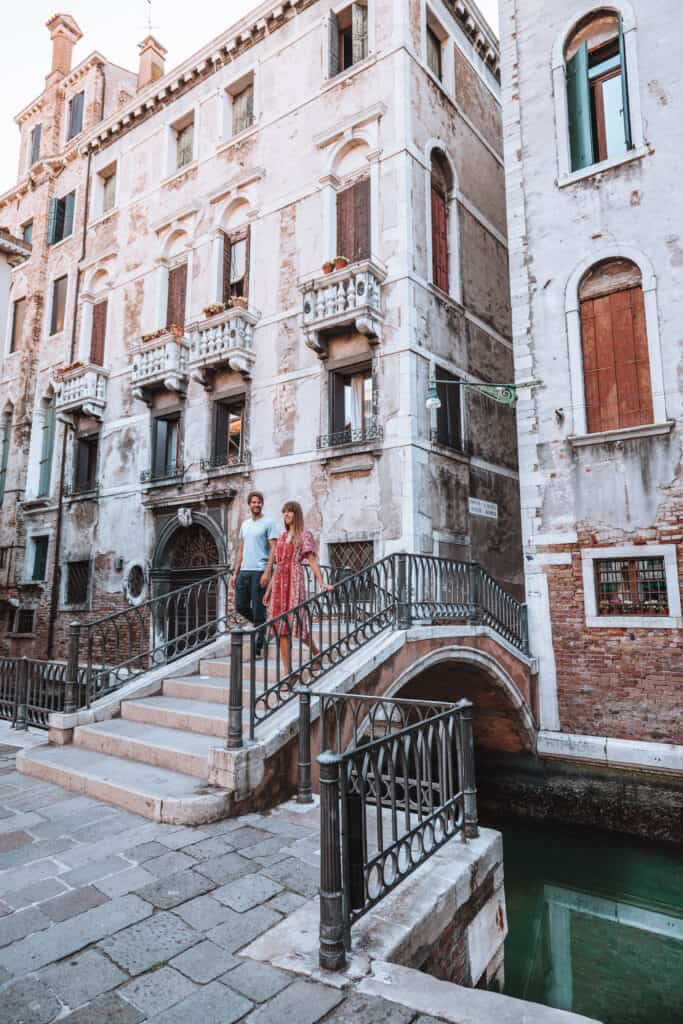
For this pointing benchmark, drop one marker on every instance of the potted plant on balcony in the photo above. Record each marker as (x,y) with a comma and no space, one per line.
(213,309)
(176,330)
(238,302)
(328,266)
(340,262)
(61,370)
(153,335)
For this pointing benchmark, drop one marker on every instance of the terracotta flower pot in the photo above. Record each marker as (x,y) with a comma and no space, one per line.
(340,262)
(328,267)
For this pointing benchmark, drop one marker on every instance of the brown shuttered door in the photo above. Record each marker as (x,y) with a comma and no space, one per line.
(177,286)
(345,223)
(616,363)
(439,240)
(353,222)
(247,248)
(227,256)
(99,329)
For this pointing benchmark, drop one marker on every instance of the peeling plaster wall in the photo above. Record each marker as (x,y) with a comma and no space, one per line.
(621,682)
(403,492)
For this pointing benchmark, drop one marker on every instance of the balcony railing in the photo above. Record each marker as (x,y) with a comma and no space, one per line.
(226,461)
(351,297)
(160,364)
(151,476)
(223,341)
(81,388)
(369,432)
(88,489)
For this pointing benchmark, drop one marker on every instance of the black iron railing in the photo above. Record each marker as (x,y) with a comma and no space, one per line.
(397,781)
(223,460)
(30,690)
(82,489)
(371,431)
(151,476)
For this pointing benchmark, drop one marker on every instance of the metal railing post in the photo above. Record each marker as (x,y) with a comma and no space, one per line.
(71,682)
(468,776)
(474,579)
(524,627)
(404,618)
(235,740)
(304,790)
(21,694)
(332,954)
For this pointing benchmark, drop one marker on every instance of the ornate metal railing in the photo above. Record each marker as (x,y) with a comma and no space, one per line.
(226,461)
(397,781)
(31,689)
(371,431)
(150,476)
(80,490)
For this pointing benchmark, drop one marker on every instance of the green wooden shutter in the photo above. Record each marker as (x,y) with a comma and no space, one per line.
(52,222)
(69,214)
(39,558)
(35,143)
(222,420)
(625,105)
(579,109)
(4,454)
(333,35)
(46,449)
(359,32)
(227,263)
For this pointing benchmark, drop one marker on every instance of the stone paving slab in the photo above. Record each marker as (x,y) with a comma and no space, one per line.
(247,892)
(294,874)
(72,903)
(170,892)
(303,1001)
(29,1001)
(258,982)
(110,1008)
(241,929)
(95,870)
(130,880)
(226,867)
(11,840)
(170,863)
(151,942)
(81,978)
(36,893)
(153,993)
(212,1004)
(24,922)
(203,913)
(204,962)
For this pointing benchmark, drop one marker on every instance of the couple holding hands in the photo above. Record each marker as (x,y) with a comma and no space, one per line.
(269,571)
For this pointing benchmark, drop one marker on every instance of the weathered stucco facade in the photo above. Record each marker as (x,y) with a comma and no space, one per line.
(256,137)
(601,498)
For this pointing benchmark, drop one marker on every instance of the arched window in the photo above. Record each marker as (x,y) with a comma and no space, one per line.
(4,449)
(616,364)
(597,90)
(47,444)
(440,189)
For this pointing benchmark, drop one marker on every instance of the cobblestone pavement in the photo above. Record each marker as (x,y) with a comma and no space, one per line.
(107,917)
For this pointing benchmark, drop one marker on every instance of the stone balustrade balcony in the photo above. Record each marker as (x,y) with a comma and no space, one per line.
(222,341)
(348,298)
(81,389)
(160,363)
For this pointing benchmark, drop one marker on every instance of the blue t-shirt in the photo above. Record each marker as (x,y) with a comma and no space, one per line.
(256,533)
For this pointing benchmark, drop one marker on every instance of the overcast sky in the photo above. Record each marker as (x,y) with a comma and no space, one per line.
(114,29)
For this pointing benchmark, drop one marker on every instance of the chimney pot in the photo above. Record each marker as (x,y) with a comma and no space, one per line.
(152,55)
(64,33)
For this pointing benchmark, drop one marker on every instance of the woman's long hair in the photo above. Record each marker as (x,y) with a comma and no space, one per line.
(298,524)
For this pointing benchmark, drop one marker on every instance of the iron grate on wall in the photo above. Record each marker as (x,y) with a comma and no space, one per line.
(353,555)
(78,574)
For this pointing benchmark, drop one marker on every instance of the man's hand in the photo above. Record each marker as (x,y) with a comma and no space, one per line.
(231,583)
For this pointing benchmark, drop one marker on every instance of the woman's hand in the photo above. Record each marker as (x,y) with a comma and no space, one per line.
(327,587)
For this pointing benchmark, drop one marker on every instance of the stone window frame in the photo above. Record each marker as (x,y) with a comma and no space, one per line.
(181,120)
(38,533)
(143,595)
(35,447)
(666,551)
(431,20)
(232,88)
(101,174)
(338,8)
(454,260)
(579,436)
(559,90)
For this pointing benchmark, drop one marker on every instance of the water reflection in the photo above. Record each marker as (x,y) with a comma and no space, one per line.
(596,924)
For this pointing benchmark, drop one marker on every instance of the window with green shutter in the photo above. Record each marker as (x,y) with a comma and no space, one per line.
(75,115)
(39,561)
(4,451)
(47,443)
(61,218)
(35,142)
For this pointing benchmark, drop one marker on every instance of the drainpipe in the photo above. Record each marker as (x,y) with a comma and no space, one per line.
(56,570)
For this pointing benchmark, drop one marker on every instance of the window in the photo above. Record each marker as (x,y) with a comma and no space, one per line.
(38,564)
(177,290)
(434,53)
(184,145)
(77,580)
(98,332)
(4,451)
(47,443)
(631,586)
(597,91)
(448,415)
(85,463)
(27,231)
(18,316)
(353,221)
(4,557)
(616,363)
(165,432)
(61,218)
(23,623)
(236,266)
(58,305)
(243,109)
(351,406)
(348,37)
(108,189)
(228,438)
(351,556)
(36,132)
(440,188)
(75,115)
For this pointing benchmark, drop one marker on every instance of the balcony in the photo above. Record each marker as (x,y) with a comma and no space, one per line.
(348,298)
(370,434)
(223,341)
(162,478)
(160,363)
(81,389)
(225,463)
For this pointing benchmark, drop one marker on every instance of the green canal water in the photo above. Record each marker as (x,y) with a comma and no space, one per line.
(595,923)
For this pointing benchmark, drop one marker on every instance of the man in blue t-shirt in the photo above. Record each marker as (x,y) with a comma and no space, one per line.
(254,563)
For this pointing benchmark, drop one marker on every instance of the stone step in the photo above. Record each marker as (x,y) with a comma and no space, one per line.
(206,688)
(190,715)
(166,796)
(185,752)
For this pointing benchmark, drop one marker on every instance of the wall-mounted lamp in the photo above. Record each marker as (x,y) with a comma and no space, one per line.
(504,394)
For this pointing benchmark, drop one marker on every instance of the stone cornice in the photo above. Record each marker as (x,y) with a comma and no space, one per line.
(478,30)
(94,59)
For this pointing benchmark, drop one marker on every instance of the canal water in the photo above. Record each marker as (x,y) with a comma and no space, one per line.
(595,923)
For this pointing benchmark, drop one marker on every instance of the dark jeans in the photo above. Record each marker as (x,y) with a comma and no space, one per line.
(249,599)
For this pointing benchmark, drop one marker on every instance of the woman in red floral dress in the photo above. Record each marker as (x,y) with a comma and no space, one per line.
(287,587)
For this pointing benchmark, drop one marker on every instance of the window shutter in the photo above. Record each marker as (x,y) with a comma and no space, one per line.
(247,248)
(4,454)
(333,36)
(99,329)
(337,384)
(359,32)
(579,109)
(439,240)
(35,143)
(52,222)
(345,223)
(18,316)
(76,112)
(361,194)
(243,110)
(68,214)
(227,263)
(220,444)
(250,105)
(39,558)
(46,449)
(625,106)
(177,287)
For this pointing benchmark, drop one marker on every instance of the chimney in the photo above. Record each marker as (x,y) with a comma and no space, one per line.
(64,33)
(152,56)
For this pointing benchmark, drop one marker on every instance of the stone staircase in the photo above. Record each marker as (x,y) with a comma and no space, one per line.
(154,758)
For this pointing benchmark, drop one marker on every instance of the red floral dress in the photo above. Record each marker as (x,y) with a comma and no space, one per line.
(289,586)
